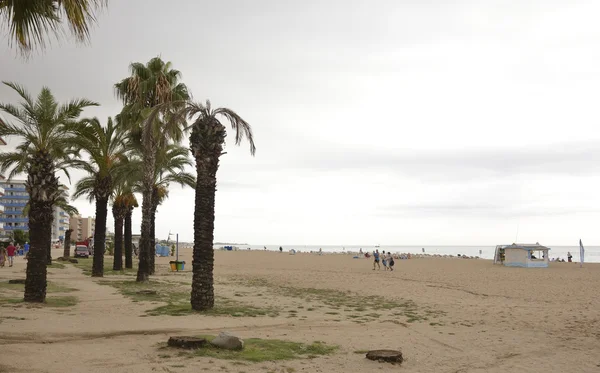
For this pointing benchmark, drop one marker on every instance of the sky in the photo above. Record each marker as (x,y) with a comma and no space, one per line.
(376,122)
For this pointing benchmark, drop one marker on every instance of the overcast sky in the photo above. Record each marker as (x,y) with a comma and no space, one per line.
(394,122)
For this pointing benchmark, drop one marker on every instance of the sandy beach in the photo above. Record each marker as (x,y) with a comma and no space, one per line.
(446,315)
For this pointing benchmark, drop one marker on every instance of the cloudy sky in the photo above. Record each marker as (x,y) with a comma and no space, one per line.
(393,122)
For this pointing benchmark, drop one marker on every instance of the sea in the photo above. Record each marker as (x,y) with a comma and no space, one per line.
(592,253)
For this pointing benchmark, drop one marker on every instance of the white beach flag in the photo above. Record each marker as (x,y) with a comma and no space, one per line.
(581,252)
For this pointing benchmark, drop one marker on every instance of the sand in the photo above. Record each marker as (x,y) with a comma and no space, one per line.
(456,316)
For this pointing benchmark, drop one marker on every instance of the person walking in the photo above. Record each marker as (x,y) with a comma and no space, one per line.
(10,251)
(376,259)
(390,261)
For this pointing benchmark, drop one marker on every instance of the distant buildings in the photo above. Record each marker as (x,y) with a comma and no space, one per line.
(60,224)
(13,200)
(82,227)
(2,178)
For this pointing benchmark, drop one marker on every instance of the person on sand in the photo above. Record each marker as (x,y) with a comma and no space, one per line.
(280,249)
(384,261)
(10,251)
(376,259)
(569,257)
(390,259)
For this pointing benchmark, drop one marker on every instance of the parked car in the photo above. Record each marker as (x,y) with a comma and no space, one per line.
(81,251)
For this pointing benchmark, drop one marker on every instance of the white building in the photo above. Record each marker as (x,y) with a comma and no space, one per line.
(60,223)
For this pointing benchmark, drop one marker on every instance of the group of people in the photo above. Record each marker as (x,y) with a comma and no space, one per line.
(386,259)
(7,254)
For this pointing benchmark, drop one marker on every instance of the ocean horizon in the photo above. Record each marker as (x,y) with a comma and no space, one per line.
(592,253)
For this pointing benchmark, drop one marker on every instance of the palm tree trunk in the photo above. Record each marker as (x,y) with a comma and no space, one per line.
(145,242)
(152,255)
(118,254)
(42,187)
(67,244)
(100,236)
(207,164)
(146,228)
(128,245)
(49,241)
(39,222)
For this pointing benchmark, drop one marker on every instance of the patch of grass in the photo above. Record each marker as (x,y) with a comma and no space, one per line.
(2,318)
(177,299)
(350,302)
(51,288)
(361,352)
(51,302)
(85,264)
(57,265)
(259,350)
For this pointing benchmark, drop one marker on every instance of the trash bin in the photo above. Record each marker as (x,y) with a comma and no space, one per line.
(177,266)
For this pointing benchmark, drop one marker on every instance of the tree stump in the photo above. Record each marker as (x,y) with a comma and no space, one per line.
(62,259)
(147,292)
(17,281)
(73,261)
(388,356)
(188,343)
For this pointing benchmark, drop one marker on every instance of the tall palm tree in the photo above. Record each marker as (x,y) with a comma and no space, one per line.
(44,128)
(206,142)
(106,149)
(29,21)
(151,86)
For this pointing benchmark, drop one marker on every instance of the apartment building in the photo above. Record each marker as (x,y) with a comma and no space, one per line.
(13,200)
(60,223)
(82,227)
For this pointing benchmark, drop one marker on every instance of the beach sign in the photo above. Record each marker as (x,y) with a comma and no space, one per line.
(581,253)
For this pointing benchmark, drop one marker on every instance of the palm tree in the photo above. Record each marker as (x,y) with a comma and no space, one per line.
(67,243)
(29,21)
(45,129)
(131,204)
(150,87)
(206,142)
(123,202)
(106,148)
(171,162)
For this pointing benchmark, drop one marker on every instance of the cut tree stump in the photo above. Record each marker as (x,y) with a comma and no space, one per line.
(388,356)
(188,343)
(62,259)
(147,292)
(73,261)
(17,281)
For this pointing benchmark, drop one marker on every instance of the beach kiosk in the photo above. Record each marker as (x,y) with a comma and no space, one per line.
(522,255)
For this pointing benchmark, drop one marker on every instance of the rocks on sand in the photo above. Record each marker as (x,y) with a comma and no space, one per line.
(388,356)
(227,341)
(188,343)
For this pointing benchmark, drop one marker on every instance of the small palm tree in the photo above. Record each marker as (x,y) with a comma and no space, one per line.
(106,148)
(45,130)
(123,203)
(131,204)
(207,141)
(171,162)
(29,21)
(151,85)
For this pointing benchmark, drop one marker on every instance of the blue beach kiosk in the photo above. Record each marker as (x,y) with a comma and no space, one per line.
(522,255)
